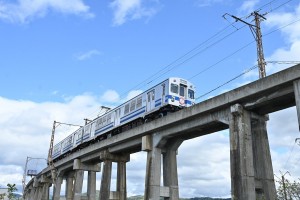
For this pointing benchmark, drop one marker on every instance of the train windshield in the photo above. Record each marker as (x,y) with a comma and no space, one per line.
(174,88)
(191,94)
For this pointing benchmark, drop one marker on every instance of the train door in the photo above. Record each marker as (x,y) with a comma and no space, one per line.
(117,117)
(182,94)
(150,100)
(163,93)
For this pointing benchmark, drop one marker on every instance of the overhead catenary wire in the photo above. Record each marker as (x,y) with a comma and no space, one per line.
(197,47)
(234,78)
(267,34)
(291,151)
(172,65)
(149,79)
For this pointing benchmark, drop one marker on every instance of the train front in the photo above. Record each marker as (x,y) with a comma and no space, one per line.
(181,93)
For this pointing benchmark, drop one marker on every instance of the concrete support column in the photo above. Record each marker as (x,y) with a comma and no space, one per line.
(78,184)
(263,169)
(92,168)
(45,191)
(91,187)
(57,188)
(45,183)
(40,192)
(106,180)
(121,180)
(107,159)
(32,193)
(153,174)
(170,174)
(297,98)
(155,145)
(241,155)
(69,186)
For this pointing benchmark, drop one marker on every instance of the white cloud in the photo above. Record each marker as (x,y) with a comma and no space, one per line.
(205,3)
(290,33)
(23,11)
(110,96)
(248,6)
(88,55)
(125,10)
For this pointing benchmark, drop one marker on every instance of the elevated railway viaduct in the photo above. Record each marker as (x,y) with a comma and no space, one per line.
(244,111)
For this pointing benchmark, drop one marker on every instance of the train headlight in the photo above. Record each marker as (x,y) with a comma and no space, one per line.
(173,99)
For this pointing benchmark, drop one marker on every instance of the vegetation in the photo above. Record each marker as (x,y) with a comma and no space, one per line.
(2,196)
(11,189)
(288,190)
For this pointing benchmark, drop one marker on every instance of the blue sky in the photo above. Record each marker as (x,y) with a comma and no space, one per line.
(62,60)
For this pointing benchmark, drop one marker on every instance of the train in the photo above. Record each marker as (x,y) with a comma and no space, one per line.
(168,96)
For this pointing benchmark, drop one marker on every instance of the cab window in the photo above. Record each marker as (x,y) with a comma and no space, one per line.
(191,94)
(174,88)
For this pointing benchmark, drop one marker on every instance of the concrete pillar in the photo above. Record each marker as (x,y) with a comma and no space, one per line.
(263,169)
(69,186)
(107,159)
(57,188)
(121,180)
(241,155)
(106,180)
(153,174)
(155,146)
(32,193)
(40,192)
(91,187)
(78,184)
(170,175)
(297,99)
(45,191)
(79,168)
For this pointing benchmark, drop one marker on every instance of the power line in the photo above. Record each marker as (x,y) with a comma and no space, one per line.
(236,77)
(149,79)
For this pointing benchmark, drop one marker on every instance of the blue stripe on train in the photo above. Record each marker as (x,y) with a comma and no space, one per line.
(104,128)
(134,114)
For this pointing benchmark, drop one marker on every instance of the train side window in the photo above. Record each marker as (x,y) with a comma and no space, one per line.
(163,89)
(139,102)
(191,94)
(174,88)
(108,118)
(104,122)
(126,110)
(153,94)
(132,106)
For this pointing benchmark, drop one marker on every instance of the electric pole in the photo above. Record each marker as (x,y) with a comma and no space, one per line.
(50,159)
(256,32)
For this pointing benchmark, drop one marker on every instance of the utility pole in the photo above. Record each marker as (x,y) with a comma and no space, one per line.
(283,184)
(284,187)
(256,32)
(260,53)
(50,159)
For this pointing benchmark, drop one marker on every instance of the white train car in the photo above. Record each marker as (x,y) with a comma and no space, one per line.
(167,96)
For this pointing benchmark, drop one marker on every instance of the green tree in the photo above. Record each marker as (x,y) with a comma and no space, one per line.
(288,190)
(2,196)
(11,188)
